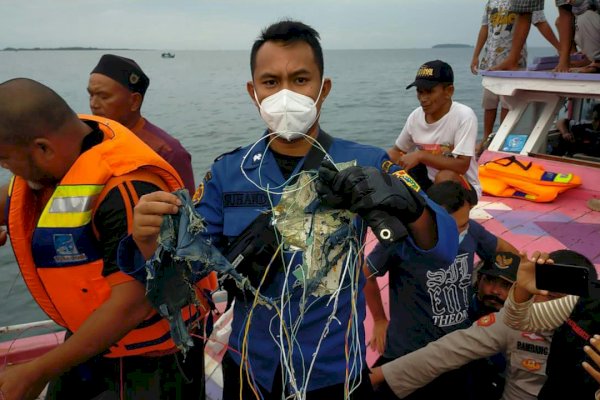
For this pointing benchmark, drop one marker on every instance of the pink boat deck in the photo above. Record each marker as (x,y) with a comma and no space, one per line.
(26,349)
(566,222)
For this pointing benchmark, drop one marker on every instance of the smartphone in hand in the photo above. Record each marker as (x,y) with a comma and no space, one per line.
(563,278)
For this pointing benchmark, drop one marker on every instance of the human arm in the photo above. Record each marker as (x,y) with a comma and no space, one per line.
(380,321)
(520,311)
(100,330)
(481,39)
(486,337)
(460,140)
(563,127)
(457,163)
(395,153)
(125,307)
(504,246)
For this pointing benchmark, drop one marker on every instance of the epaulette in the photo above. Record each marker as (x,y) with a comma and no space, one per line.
(226,153)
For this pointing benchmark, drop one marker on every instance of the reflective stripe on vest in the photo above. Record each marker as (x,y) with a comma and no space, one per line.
(51,250)
(70,206)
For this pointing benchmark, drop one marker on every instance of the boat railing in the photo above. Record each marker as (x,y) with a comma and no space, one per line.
(20,328)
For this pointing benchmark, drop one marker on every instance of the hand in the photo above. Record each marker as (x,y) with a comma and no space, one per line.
(526,274)
(474,65)
(410,160)
(21,382)
(376,376)
(3,236)
(365,189)
(568,136)
(148,216)
(593,352)
(378,338)
(334,197)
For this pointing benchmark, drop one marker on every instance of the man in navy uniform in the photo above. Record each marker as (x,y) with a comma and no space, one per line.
(323,354)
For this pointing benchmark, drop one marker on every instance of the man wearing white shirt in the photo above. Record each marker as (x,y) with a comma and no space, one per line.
(441,134)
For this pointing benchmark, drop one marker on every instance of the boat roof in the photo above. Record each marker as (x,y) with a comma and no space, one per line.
(508,83)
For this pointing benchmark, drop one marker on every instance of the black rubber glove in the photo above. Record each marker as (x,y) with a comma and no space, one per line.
(383,201)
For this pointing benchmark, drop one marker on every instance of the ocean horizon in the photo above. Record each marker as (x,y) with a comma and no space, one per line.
(200,98)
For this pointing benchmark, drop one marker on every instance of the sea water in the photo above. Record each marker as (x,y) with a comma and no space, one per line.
(200,98)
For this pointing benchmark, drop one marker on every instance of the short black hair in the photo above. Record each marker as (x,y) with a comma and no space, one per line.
(450,195)
(29,109)
(596,109)
(289,31)
(570,257)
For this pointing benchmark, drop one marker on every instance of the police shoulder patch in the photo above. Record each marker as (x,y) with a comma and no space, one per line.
(386,165)
(531,364)
(408,180)
(486,320)
(198,194)
(226,153)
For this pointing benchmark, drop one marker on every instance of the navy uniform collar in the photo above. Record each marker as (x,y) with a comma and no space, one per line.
(256,156)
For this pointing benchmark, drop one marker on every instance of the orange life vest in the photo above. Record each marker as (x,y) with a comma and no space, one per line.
(509,177)
(59,254)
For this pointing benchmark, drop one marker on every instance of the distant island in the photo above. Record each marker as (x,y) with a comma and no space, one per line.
(58,48)
(451,46)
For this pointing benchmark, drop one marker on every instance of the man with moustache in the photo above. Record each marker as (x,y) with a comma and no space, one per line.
(494,280)
(117,89)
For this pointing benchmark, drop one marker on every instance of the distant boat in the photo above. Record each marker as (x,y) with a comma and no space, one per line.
(168,55)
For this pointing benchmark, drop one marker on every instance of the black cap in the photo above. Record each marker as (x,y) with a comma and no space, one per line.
(432,73)
(123,70)
(505,265)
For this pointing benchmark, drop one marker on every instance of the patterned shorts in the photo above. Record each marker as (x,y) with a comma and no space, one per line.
(527,6)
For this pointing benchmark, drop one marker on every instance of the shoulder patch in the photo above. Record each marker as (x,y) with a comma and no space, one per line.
(487,320)
(226,153)
(531,364)
(408,180)
(386,165)
(207,176)
(198,194)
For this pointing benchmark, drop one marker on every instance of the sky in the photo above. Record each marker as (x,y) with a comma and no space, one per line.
(234,24)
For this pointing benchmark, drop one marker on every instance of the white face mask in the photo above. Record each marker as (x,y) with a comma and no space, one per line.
(462,235)
(289,114)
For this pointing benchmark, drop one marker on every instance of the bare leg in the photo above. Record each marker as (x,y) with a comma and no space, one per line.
(489,117)
(503,113)
(564,23)
(522,26)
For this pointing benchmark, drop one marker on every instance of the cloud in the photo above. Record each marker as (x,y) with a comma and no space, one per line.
(234,24)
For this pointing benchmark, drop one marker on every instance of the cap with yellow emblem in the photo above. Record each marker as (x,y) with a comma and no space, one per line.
(505,265)
(433,73)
